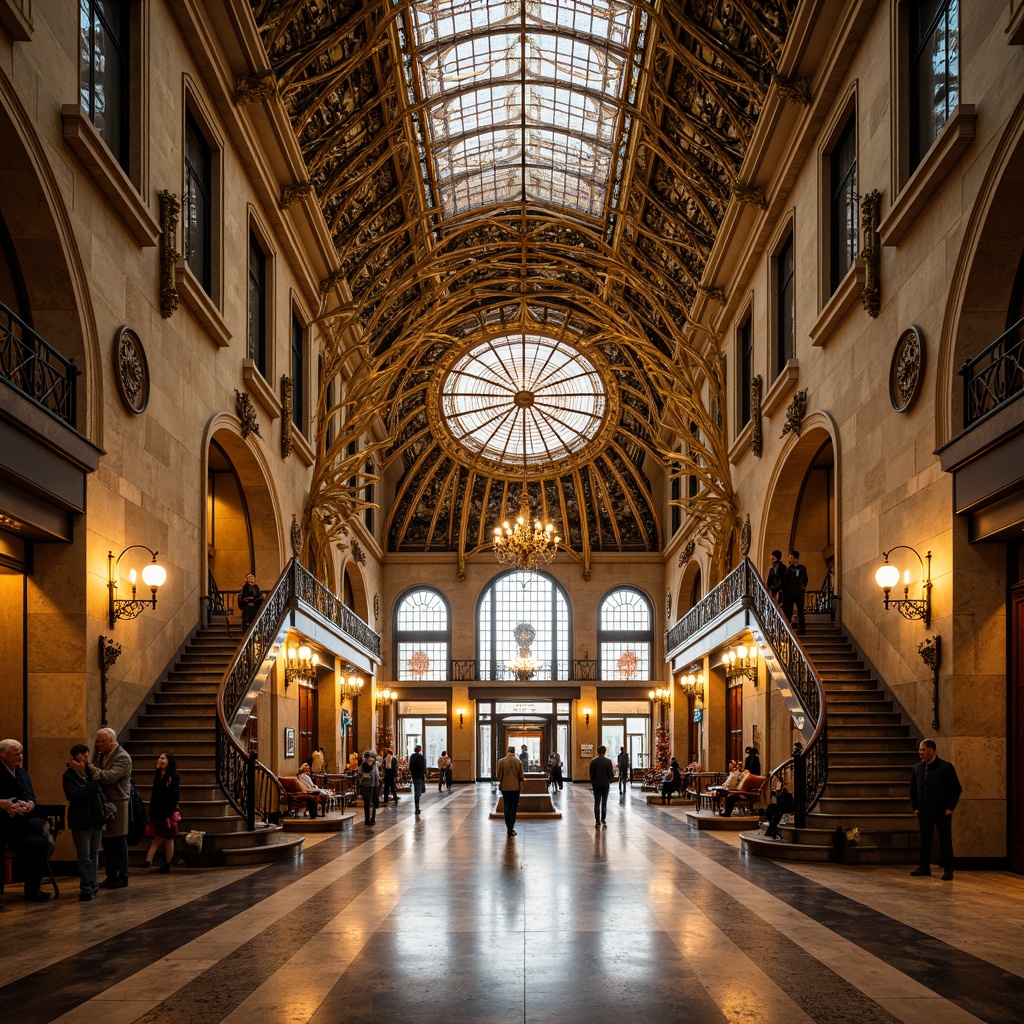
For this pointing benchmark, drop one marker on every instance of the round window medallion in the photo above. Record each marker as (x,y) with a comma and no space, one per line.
(131,370)
(907,370)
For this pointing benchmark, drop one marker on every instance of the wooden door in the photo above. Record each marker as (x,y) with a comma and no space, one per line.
(307,722)
(734,723)
(1016,745)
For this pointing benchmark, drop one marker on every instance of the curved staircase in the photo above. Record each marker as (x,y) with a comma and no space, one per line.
(180,716)
(871,751)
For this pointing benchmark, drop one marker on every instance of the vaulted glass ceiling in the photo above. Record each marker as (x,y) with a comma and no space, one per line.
(523,99)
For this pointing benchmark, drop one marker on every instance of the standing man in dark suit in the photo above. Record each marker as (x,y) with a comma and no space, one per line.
(793,587)
(111,767)
(509,773)
(602,771)
(418,772)
(776,576)
(623,771)
(934,793)
(250,597)
(22,830)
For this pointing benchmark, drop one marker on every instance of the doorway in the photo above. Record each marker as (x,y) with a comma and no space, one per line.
(308,717)
(734,723)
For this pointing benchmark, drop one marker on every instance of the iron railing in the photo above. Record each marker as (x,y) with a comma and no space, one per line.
(36,368)
(249,785)
(743,584)
(584,670)
(995,376)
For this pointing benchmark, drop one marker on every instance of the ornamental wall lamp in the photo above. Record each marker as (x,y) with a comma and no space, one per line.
(888,576)
(153,575)
(741,661)
(385,698)
(460,712)
(300,664)
(586,715)
(660,696)
(693,685)
(351,687)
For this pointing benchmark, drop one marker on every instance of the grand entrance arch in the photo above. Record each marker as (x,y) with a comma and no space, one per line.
(802,509)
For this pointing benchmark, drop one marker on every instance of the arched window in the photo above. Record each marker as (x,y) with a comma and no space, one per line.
(422,636)
(529,598)
(625,635)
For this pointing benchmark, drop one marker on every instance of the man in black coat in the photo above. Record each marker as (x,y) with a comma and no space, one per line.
(602,772)
(418,773)
(250,597)
(934,793)
(793,586)
(776,576)
(20,828)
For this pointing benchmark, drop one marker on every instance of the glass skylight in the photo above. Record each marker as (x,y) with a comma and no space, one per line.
(524,99)
(523,393)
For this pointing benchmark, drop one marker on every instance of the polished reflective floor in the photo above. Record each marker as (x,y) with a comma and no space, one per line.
(441,919)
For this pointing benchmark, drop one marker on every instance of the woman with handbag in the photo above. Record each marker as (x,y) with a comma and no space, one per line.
(369,787)
(163,811)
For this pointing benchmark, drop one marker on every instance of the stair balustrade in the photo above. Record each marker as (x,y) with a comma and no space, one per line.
(743,588)
(249,785)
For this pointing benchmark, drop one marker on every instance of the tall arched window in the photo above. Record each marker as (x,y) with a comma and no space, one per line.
(625,635)
(422,636)
(529,598)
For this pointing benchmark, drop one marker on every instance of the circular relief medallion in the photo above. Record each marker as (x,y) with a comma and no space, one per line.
(907,370)
(131,370)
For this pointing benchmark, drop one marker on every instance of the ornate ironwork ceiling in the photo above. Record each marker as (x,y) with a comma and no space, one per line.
(548,170)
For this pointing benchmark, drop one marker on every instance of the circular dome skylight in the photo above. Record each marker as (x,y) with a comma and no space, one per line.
(523,395)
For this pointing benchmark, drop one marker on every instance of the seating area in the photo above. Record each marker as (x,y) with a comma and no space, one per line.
(296,798)
(54,814)
(748,796)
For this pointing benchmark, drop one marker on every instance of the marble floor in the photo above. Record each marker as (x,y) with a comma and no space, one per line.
(441,918)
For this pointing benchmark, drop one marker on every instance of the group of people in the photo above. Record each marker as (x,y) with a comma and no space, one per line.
(372,782)
(98,790)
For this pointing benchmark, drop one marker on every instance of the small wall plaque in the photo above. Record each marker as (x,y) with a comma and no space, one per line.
(131,370)
(907,370)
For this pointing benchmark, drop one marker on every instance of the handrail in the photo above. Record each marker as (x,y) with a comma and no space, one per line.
(744,586)
(995,375)
(36,369)
(249,785)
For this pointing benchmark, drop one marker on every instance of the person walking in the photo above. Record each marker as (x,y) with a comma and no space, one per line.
(524,756)
(418,772)
(509,773)
(602,773)
(85,819)
(111,767)
(21,828)
(369,787)
(934,793)
(163,815)
(444,772)
(250,597)
(776,576)
(390,775)
(793,587)
(624,770)
(555,771)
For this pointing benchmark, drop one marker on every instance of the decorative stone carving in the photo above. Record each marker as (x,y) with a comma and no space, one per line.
(906,372)
(255,87)
(296,537)
(292,194)
(170,207)
(714,293)
(687,553)
(749,195)
(745,536)
(931,654)
(668,605)
(795,413)
(131,370)
(796,90)
(247,414)
(286,415)
(110,651)
(871,248)
(376,607)
(358,554)
(756,437)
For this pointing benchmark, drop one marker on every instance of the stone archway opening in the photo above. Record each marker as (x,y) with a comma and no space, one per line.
(355,591)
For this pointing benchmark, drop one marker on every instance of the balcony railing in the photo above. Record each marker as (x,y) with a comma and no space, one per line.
(584,670)
(37,369)
(995,376)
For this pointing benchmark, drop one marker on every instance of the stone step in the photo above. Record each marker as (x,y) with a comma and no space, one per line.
(866,730)
(873,821)
(832,673)
(903,758)
(178,734)
(843,789)
(280,849)
(841,703)
(847,685)
(165,699)
(840,714)
(180,720)
(147,750)
(878,773)
(192,682)
(855,744)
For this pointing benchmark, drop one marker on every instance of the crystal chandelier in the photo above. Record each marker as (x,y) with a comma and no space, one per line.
(523,666)
(520,546)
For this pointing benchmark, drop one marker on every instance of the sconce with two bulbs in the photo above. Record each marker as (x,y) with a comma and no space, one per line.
(660,696)
(153,575)
(300,663)
(692,685)
(742,661)
(351,687)
(888,576)
(385,698)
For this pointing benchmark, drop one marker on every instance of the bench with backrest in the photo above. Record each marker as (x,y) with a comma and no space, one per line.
(748,795)
(297,798)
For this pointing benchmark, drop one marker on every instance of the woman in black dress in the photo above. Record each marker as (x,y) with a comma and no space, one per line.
(163,811)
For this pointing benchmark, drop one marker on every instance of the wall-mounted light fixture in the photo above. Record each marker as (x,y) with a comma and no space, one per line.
(586,715)
(888,576)
(660,696)
(385,698)
(351,687)
(742,661)
(460,712)
(153,575)
(693,685)
(300,663)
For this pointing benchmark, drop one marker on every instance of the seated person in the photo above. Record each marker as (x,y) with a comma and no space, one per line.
(747,791)
(733,779)
(306,782)
(20,827)
(782,803)
(672,781)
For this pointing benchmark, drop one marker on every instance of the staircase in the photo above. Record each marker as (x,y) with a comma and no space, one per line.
(871,752)
(180,717)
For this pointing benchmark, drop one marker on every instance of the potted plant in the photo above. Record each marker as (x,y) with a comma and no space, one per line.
(844,845)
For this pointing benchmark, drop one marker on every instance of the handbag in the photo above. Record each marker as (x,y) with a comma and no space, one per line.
(150,830)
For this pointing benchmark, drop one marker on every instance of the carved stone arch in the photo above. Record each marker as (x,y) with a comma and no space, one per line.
(692,575)
(265,521)
(56,283)
(774,528)
(354,589)
(983,275)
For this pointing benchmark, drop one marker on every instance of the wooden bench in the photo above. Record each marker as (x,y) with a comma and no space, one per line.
(746,795)
(296,797)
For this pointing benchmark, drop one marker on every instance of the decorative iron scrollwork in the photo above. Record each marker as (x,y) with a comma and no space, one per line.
(687,553)
(871,248)
(931,654)
(745,536)
(170,207)
(246,412)
(795,413)
(358,554)
(286,415)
